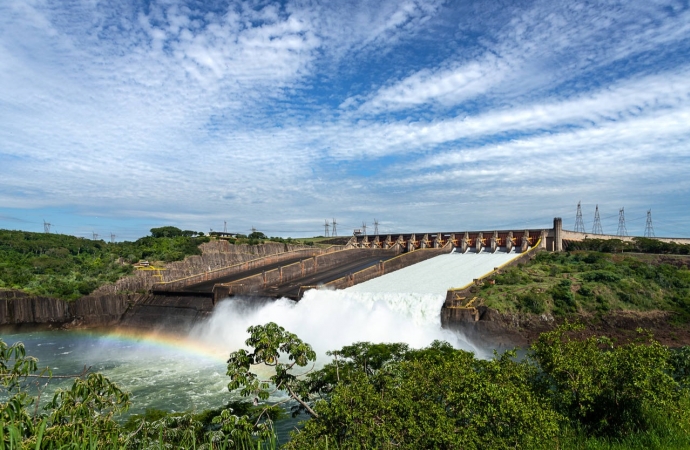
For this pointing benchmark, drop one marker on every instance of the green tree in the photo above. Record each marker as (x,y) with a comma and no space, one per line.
(269,342)
(603,389)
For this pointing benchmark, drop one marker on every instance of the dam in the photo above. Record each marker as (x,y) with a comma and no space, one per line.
(442,263)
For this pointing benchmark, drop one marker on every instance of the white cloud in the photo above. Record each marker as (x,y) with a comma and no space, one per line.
(172,112)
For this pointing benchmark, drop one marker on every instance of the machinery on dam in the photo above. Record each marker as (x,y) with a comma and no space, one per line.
(361,259)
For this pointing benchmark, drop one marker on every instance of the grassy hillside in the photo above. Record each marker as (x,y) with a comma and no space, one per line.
(69,267)
(564,283)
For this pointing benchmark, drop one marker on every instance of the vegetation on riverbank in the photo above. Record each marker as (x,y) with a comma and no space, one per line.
(592,282)
(68,267)
(568,392)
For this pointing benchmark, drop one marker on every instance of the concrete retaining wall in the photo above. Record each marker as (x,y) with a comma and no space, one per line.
(291,272)
(237,268)
(391,265)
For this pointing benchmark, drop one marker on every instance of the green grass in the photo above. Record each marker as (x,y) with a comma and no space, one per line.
(583,281)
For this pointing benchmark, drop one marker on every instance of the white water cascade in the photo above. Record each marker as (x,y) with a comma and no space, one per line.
(403,306)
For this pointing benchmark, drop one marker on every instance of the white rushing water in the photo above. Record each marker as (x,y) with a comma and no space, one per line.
(438,274)
(403,306)
(187,371)
(329,320)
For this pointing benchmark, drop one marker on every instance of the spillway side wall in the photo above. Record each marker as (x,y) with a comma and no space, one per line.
(255,284)
(391,265)
(455,318)
(182,283)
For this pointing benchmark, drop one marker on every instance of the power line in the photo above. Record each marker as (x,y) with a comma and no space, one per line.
(579,224)
(621,223)
(649,228)
(596,228)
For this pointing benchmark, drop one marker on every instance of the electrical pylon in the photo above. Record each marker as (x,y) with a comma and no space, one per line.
(621,223)
(596,228)
(649,228)
(376,227)
(364,228)
(46,227)
(334,232)
(579,224)
(326,226)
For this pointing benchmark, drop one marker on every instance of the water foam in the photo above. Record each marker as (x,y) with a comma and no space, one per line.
(329,320)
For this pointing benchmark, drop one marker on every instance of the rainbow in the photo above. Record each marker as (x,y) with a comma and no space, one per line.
(160,340)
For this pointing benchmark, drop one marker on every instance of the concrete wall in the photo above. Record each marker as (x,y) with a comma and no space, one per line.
(237,268)
(216,256)
(257,283)
(391,265)
(167,312)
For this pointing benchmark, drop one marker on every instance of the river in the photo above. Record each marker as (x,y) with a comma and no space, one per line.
(185,371)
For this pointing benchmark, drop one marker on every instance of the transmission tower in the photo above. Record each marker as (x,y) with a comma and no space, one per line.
(334,232)
(364,228)
(376,227)
(112,238)
(325,227)
(225,226)
(649,228)
(621,223)
(579,224)
(95,235)
(596,228)
(46,227)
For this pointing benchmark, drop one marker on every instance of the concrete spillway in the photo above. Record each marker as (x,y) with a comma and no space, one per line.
(438,274)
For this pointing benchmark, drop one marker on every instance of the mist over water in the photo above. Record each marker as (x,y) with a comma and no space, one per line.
(186,371)
(329,320)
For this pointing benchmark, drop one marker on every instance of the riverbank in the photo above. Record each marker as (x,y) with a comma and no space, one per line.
(513,329)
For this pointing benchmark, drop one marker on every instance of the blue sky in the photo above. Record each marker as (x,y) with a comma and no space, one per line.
(116,117)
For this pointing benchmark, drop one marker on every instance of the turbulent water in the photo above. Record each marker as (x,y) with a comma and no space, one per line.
(186,371)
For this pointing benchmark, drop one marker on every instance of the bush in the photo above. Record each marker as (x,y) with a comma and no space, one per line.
(603,276)
(532,302)
(602,389)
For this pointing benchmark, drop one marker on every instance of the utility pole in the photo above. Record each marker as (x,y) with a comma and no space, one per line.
(579,224)
(325,227)
(596,229)
(333,231)
(46,227)
(622,231)
(376,227)
(649,228)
